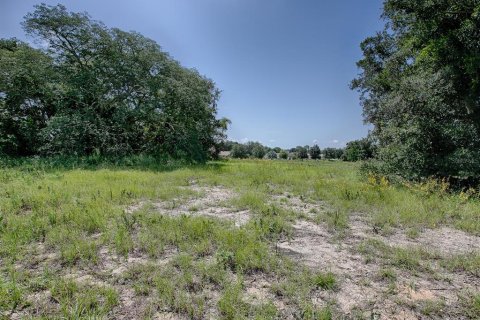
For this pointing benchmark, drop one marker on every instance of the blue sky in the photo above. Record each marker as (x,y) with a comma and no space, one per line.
(283,65)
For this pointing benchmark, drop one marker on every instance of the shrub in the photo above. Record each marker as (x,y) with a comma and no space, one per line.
(271,155)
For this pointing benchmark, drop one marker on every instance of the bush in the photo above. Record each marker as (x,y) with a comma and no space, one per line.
(271,155)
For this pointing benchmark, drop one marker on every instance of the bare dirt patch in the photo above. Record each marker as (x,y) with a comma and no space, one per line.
(360,287)
(360,290)
(168,316)
(444,240)
(303,206)
(130,305)
(210,202)
(258,291)
(115,265)
(106,273)
(316,247)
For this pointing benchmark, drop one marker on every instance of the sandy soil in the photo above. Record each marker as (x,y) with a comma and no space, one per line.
(210,202)
(361,288)
(361,291)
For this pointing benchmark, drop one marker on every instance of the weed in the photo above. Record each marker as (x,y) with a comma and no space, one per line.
(432,307)
(325,281)
(231,304)
(469,262)
(79,300)
(312,313)
(387,274)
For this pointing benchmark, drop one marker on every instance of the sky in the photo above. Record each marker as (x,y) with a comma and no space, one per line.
(283,66)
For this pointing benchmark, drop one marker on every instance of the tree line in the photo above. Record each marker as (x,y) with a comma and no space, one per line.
(356,150)
(90,89)
(420,88)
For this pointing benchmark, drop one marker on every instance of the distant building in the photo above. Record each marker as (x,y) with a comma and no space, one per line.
(224,154)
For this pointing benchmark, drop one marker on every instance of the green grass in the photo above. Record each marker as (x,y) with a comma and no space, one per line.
(73,209)
(469,262)
(471,305)
(409,259)
(325,281)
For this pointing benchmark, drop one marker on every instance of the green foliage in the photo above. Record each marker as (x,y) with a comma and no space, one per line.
(239,151)
(11,292)
(231,305)
(258,152)
(359,150)
(302,152)
(80,301)
(293,156)
(471,305)
(283,154)
(333,153)
(420,86)
(271,155)
(325,281)
(101,91)
(249,150)
(315,152)
(27,98)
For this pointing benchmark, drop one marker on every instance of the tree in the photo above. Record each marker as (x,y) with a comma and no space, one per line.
(227,145)
(239,151)
(101,90)
(293,156)
(271,155)
(283,155)
(333,153)
(315,152)
(28,83)
(302,152)
(359,150)
(258,151)
(420,88)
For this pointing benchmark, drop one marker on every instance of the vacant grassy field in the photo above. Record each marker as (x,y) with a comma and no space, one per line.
(233,240)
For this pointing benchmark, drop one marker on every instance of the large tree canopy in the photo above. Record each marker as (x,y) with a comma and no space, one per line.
(92,89)
(420,88)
